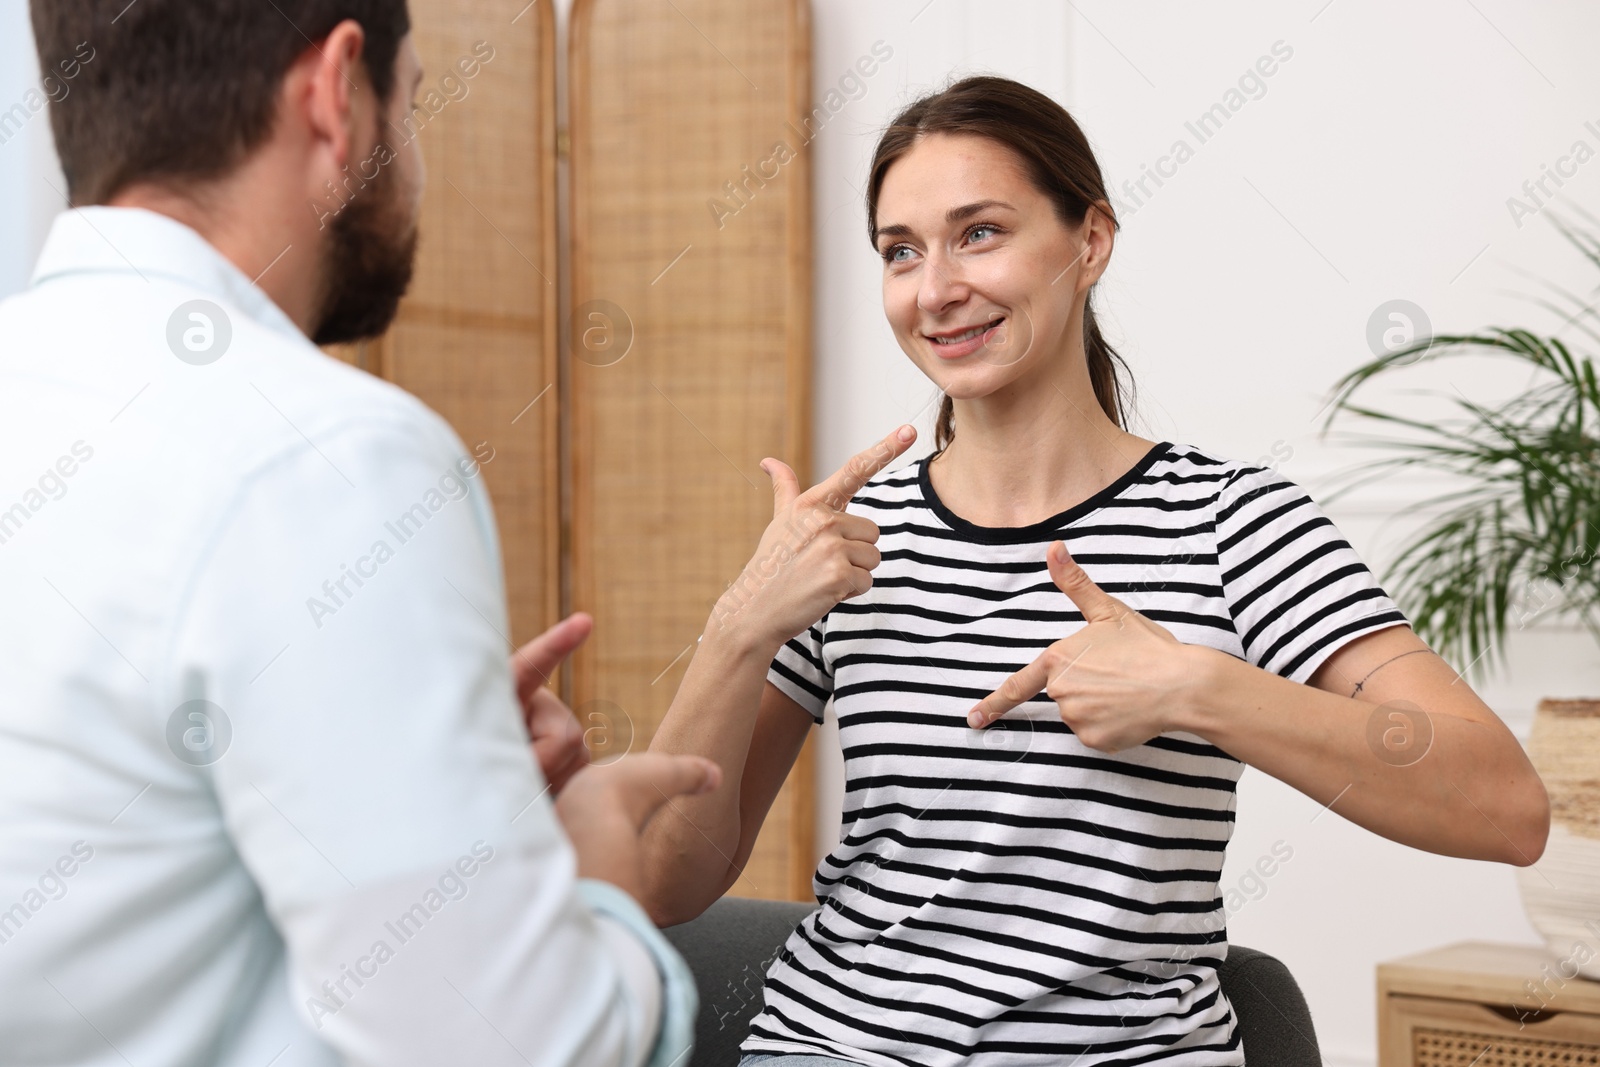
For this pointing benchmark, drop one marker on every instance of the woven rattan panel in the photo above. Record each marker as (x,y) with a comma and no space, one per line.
(476,335)
(1452,1048)
(690,354)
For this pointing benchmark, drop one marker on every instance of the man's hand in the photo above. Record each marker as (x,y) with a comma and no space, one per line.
(606,809)
(1118,681)
(557,737)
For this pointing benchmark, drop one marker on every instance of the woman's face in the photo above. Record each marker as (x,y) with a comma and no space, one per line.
(980,276)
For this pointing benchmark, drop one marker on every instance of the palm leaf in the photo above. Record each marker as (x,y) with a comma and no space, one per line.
(1520,540)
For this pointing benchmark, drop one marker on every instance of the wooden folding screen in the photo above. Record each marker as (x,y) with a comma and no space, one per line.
(687,355)
(476,337)
(691,281)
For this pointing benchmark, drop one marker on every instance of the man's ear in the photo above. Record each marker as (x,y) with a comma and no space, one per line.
(333,92)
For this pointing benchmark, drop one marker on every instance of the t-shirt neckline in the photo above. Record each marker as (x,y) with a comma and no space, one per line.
(1045,529)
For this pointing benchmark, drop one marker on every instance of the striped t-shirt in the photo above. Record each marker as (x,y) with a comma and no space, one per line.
(1011,895)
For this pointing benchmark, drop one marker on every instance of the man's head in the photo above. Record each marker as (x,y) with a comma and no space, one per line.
(232,109)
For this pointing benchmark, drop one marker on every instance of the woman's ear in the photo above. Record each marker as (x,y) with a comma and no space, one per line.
(1097,234)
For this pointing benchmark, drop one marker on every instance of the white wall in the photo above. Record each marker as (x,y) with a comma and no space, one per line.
(29,176)
(1376,165)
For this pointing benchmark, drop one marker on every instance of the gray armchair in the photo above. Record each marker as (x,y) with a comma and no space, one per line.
(729,947)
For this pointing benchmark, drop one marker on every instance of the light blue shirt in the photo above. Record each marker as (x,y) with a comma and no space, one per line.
(266,797)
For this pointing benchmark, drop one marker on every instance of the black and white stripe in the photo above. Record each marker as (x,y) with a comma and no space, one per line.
(1013,896)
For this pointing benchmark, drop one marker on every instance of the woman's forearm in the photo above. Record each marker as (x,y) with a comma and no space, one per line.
(690,846)
(1472,793)
(812,555)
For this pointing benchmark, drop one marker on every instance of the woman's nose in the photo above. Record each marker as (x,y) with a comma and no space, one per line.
(942,286)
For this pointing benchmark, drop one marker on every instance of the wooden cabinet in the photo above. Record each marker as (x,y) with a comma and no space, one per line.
(1477,1004)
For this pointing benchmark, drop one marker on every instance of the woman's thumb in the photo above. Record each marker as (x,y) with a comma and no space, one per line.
(785,486)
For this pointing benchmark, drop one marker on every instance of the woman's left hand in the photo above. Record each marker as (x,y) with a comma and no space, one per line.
(1119,681)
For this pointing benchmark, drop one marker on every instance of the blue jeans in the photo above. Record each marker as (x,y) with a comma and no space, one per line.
(791,1059)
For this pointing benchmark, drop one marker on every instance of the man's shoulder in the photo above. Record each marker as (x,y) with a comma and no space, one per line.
(190,363)
(321,393)
(283,397)
(110,357)
(357,429)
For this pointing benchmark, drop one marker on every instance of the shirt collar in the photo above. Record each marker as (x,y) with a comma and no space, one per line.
(142,243)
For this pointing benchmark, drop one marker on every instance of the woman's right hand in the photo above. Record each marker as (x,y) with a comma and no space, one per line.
(812,555)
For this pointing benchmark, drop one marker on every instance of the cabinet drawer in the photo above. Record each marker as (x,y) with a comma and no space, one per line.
(1434,1032)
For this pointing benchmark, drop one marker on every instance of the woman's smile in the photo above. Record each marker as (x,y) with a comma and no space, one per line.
(963,341)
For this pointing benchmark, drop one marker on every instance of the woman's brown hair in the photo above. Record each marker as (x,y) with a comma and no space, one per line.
(1061,165)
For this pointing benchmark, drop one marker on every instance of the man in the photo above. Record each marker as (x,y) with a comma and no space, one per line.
(267,796)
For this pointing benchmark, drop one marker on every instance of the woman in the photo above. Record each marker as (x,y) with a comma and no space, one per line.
(1146,616)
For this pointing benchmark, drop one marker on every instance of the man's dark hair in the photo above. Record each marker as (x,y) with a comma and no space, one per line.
(184,90)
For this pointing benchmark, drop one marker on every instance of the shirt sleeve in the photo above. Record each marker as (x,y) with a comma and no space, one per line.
(346,639)
(1296,589)
(680,1001)
(801,673)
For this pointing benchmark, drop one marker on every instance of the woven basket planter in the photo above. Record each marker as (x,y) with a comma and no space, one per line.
(1562,895)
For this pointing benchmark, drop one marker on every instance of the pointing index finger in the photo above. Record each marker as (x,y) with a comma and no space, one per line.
(537,660)
(1020,687)
(847,481)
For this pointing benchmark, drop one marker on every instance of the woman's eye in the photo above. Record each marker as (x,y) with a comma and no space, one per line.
(893,255)
(973,233)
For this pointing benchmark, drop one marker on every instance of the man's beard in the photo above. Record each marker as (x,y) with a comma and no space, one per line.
(371,251)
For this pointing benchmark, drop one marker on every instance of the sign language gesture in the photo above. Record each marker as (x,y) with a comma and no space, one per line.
(1118,682)
(557,738)
(813,554)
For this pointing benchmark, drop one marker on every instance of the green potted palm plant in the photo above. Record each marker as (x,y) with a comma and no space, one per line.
(1513,540)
